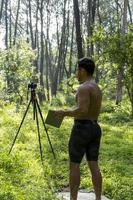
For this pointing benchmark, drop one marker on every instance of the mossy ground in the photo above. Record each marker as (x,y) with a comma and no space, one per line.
(22,176)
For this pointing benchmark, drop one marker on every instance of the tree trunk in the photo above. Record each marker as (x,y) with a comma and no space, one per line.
(71,51)
(129,86)
(90,24)
(10,26)
(16,23)
(119,86)
(27,26)
(47,70)
(1,10)
(67,32)
(78,29)
(30,24)
(61,59)
(97,69)
(42,96)
(47,53)
(6,24)
(36,28)
(61,50)
(121,67)
(130,13)
(35,43)
(98,11)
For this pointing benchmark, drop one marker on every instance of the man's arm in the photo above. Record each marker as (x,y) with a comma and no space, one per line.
(83,101)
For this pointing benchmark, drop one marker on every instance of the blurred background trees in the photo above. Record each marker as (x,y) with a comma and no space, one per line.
(42,40)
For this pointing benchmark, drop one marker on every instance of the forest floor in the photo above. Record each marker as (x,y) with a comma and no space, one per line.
(22,176)
(82,195)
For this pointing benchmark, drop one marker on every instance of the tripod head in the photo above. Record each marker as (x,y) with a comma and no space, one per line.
(32,86)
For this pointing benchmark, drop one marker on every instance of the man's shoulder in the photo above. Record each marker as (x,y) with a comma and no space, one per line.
(83,88)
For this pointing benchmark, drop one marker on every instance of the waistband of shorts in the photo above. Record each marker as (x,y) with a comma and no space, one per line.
(85,121)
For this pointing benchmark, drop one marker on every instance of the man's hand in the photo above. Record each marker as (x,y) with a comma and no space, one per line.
(59,113)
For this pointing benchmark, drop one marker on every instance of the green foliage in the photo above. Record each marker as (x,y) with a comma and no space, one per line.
(69,85)
(115,53)
(23,179)
(22,176)
(65,95)
(16,70)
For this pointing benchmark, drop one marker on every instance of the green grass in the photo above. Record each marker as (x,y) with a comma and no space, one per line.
(22,176)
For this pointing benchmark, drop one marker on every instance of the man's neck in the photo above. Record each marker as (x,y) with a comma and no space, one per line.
(87,79)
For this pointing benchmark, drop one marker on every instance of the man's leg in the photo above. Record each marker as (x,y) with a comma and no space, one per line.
(74,180)
(96,178)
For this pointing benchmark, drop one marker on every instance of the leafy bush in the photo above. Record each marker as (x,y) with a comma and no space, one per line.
(16,71)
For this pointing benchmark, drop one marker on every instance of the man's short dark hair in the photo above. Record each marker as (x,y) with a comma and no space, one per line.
(87,64)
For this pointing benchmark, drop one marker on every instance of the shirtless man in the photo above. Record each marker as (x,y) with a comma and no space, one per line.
(86,133)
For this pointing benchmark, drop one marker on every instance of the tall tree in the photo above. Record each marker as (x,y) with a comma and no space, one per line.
(16,22)
(78,28)
(30,24)
(130,13)
(42,96)
(90,24)
(10,24)
(1,9)
(47,41)
(121,66)
(6,24)
(61,52)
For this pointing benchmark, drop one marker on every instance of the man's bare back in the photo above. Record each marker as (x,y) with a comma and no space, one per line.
(89,97)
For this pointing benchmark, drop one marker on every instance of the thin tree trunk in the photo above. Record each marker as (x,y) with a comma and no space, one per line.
(71,51)
(91,19)
(121,67)
(129,87)
(27,26)
(36,29)
(78,28)
(16,23)
(67,32)
(35,42)
(7,44)
(119,86)
(62,45)
(30,24)
(6,24)
(10,26)
(42,96)
(47,70)
(57,32)
(130,13)
(1,10)
(47,53)
(98,11)
(61,49)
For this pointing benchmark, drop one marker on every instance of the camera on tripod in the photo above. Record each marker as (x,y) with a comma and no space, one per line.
(32,86)
(36,110)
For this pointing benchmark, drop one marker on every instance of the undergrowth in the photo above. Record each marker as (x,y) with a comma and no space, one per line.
(22,176)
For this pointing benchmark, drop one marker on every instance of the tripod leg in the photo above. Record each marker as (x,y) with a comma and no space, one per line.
(19,127)
(38,129)
(34,107)
(40,112)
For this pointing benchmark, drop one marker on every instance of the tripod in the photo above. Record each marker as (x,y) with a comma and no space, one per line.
(36,109)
